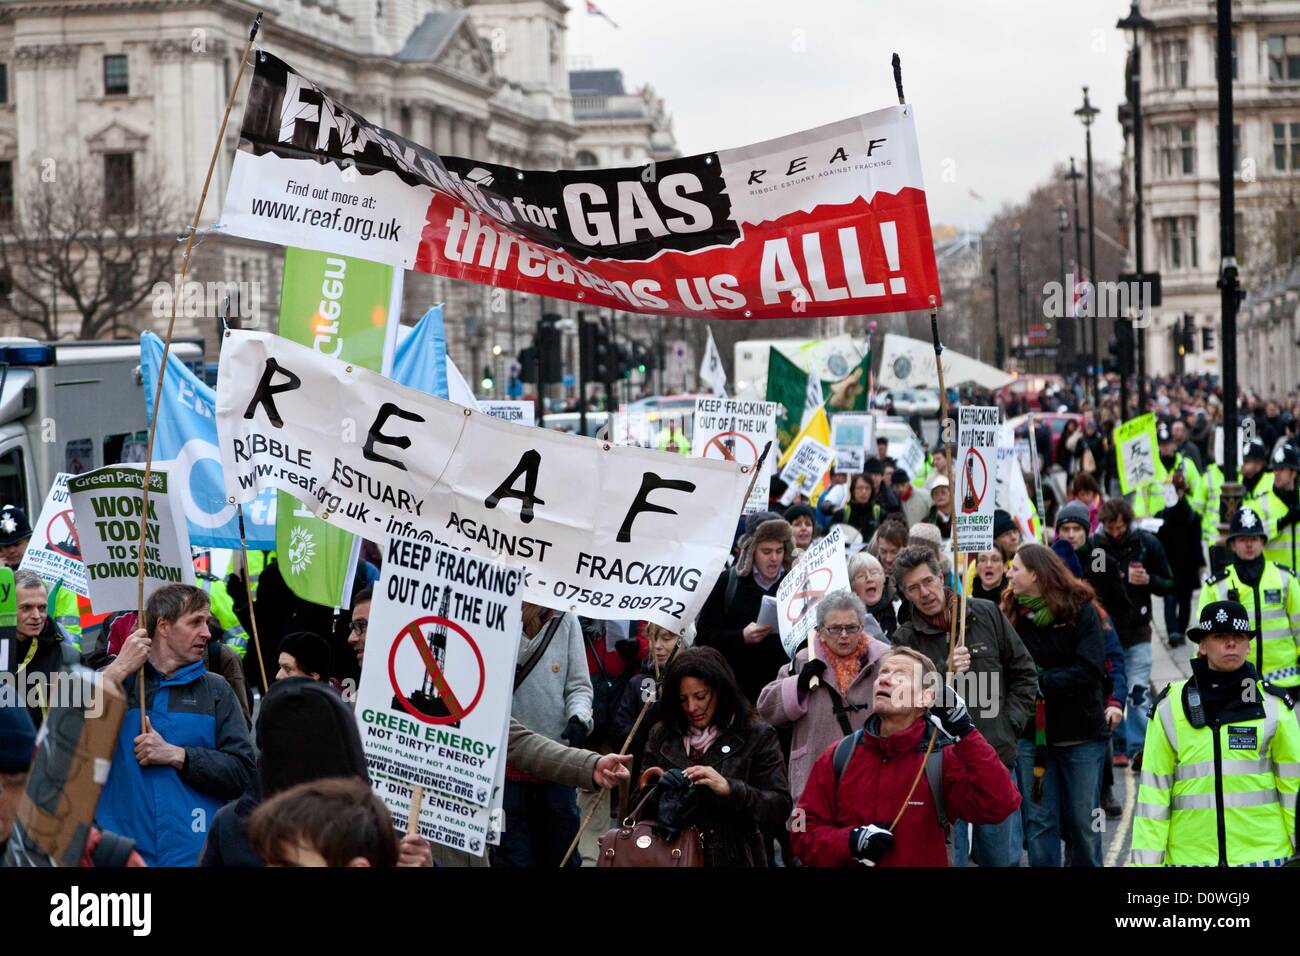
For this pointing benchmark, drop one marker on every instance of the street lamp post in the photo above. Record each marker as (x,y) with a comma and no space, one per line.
(1020,301)
(1138,23)
(1062,224)
(1087,113)
(999,349)
(1074,175)
(1228,286)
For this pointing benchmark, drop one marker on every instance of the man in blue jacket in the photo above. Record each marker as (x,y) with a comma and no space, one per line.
(194,755)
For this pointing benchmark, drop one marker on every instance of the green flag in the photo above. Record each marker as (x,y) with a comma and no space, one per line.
(338,306)
(786,385)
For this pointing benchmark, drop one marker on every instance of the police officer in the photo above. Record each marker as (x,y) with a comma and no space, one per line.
(1256,483)
(1222,759)
(1155,496)
(1283,547)
(1270,593)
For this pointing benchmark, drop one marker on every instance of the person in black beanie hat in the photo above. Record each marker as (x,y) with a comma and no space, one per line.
(803,524)
(304,732)
(1006,533)
(303,654)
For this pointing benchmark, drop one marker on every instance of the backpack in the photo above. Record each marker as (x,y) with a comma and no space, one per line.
(933,771)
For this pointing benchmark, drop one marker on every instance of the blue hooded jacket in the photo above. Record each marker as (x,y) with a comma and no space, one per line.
(167,811)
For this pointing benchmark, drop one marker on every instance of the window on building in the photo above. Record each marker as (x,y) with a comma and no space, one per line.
(117,79)
(1178,248)
(119,183)
(1286,147)
(1286,233)
(1284,58)
(1175,150)
(1172,64)
(6,190)
(585,158)
(4,82)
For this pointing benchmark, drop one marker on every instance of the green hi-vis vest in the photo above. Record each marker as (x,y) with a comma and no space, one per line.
(67,613)
(1274,607)
(1149,500)
(1283,546)
(1262,501)
(1218,796)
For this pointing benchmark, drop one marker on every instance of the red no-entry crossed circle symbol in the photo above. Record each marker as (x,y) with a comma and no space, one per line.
(732,446)
(815,584)
(458,703)
(61,535)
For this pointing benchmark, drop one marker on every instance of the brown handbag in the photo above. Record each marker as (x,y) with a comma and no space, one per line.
(635,843)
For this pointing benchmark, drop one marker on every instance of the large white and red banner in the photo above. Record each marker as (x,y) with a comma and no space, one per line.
(830,221)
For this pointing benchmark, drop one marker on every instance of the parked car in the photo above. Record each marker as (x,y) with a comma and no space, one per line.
(909,401)
(1055,420)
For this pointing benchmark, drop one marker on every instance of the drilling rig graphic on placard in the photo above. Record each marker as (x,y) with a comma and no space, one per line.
(428,699)
(969,502)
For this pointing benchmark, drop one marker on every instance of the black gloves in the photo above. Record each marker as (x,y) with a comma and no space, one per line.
(237,590)
(628,649)
(870,843)
(814,668)
(575,734)
(950,715)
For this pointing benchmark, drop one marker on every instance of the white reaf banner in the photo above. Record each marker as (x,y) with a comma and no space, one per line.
(601,530)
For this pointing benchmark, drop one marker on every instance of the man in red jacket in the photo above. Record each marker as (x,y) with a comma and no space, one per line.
(848,816)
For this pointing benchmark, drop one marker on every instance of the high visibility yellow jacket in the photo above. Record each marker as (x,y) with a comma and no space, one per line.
(1223,794)
(1149,500)
(1260,499)
(1283,546)
(67,612)
(1274,606)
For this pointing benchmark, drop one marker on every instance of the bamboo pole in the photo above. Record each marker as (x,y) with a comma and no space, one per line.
(417,807)
(252,613)
(171,328)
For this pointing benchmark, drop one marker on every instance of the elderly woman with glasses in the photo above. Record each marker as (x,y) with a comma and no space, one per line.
(874,589)
(848,642)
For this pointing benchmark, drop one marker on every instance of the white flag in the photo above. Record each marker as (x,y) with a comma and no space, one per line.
(459,390)
(712,372)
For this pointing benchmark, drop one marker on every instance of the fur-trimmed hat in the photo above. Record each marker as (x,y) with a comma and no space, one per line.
(774,529)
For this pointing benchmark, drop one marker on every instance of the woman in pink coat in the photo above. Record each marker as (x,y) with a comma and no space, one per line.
(848,643)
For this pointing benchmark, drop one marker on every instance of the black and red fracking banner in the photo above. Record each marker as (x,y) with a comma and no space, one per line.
(830,221)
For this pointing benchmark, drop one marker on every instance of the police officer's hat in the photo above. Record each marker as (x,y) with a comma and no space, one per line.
(14,525)
(1255,450)
(1163,435)
(1221,617)
(1246,523)
(1286,456)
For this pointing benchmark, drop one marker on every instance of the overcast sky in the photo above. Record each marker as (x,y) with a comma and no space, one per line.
(994,82)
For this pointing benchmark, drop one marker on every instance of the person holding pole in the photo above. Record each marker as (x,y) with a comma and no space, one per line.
(991,670)
(1062,745)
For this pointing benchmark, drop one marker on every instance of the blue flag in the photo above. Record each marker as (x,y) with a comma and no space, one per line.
(421,358)
(187,435)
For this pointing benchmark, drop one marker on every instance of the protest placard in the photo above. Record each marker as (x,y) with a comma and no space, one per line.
(804,469)
(977,427)
(107,505)
(1136,456)
(820,569)
(729,429)
(517,413)
(854,438)
(53,552)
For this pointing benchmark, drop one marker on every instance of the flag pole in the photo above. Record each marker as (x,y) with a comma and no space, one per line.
(948,453)
(171,328)
(248,588)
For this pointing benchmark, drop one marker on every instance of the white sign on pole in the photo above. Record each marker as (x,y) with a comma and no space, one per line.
(107,505)
(517,413)
(712,372)
(53,552)
(804,469)
(606,531)
(854,436)
(434,698)
(912,458)
(975,476)
(728,429)
(819,570)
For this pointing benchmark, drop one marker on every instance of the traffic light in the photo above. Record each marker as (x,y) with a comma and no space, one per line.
(1124,346)
(598,354)
(487,382)
(528,365)
(550,361)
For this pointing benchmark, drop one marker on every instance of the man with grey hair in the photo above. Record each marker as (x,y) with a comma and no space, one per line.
(42,647)
(841,664)
(991,670)
(194,753)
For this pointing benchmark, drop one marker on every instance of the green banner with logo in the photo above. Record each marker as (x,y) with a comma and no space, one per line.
(786,383)
(338,306)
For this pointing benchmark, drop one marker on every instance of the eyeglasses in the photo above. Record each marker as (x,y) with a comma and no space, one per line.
(358,625)
(869,576)
(843,630)
(928,583)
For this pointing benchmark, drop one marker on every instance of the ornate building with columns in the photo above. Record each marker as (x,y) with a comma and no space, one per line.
(137,88)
